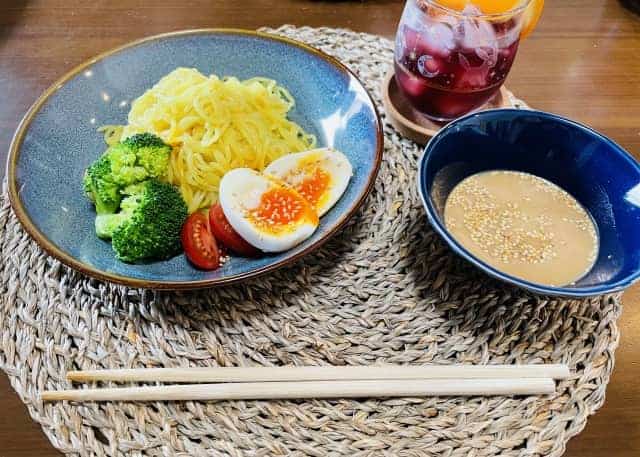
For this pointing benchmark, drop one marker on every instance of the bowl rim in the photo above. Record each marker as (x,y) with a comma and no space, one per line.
(434,220)
(54,251)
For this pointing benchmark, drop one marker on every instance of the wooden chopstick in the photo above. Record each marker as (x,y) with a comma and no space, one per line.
(311,389)
(322,373)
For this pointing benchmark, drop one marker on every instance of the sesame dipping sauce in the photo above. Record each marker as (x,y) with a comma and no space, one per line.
(524,226)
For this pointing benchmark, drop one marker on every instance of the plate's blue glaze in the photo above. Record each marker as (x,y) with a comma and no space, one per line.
(58,140)
(595,170)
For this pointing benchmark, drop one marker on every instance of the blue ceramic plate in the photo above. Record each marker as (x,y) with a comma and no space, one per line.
(57,140)
(595,170)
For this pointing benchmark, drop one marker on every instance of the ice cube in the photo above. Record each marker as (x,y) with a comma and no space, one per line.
(476,78)
(411,38)
(472,77)
(488,55)
(507,37)
(435,40)
(439,39)
(413,15)
(473,33)
(464,62)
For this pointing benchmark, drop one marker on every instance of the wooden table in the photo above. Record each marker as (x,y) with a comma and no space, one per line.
(583,62)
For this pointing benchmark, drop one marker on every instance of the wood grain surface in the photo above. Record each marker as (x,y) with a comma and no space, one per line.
(583,62)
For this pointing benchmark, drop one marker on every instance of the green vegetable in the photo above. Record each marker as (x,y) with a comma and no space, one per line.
(127,177)
(123,165)
(149,223)
(106,224)
(131,161)
(152,152)
(100,186)
(139,157)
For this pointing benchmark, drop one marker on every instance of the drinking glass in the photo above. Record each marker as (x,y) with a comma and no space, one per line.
(448,62)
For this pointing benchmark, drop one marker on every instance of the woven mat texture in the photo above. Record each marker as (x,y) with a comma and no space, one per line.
(385,290)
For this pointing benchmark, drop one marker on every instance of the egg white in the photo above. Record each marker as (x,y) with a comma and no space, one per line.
(289,168)
(240,191)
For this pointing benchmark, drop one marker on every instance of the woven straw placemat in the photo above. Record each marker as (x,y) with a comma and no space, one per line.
(385,290)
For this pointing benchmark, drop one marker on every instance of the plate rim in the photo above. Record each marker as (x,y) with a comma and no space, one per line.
(51,249)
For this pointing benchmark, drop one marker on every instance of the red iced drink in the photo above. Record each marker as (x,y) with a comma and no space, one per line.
(450,63)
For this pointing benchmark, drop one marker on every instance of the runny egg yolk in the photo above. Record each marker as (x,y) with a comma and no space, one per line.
(280,210)
(314,187)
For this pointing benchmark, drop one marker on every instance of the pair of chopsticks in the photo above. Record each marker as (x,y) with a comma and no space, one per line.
(270,383)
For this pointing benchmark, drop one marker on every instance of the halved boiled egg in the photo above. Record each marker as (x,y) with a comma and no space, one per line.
(319,175)
(264,211)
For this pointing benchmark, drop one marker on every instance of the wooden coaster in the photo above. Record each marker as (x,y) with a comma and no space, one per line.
(411,124)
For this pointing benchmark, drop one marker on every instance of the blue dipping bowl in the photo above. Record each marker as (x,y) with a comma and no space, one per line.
(601,175)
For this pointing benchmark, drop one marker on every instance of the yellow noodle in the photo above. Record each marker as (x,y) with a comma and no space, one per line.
(214,125)
(112,133)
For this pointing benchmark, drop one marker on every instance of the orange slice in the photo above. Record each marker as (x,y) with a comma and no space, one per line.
(529,19)
(486,6)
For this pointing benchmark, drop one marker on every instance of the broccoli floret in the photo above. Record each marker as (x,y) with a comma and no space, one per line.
(106,224)
(131,161)
(145,140)
(139,157)
(152,218)
(153,153)
(88,186)
(141,154)
(100,187)
(124,168)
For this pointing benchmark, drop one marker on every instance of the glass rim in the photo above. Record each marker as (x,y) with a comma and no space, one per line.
(434,3)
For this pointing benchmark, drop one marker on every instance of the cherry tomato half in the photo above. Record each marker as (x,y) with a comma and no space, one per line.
(224,233)
(199,245)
